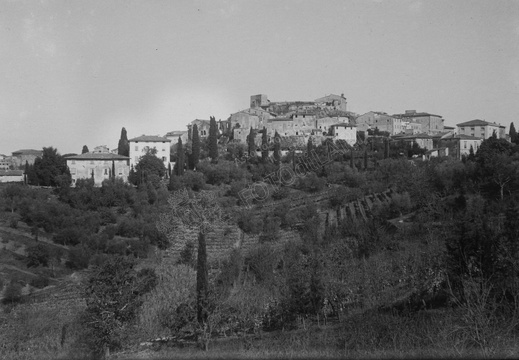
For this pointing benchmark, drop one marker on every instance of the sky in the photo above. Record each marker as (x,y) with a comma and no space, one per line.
(73,73)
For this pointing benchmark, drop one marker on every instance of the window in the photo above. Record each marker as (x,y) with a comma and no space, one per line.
(73,162)
(163,158)
(72,171)
(464,144)
(462,128)
(163,149)
(471,129)
(106,171)
(136,159)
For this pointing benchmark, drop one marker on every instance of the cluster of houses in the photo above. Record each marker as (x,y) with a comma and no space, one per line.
(295,121)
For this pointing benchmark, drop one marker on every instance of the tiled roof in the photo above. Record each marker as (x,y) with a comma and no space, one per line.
(176,133)
(344,125)
(475,122)
(150,138)
(417,114)
(11,172)
(327,97)
(28,152)
(98,156)
(460,137)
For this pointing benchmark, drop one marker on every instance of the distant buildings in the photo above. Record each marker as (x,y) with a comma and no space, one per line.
(19,157)
(100,165)
(381,121)
(430,123)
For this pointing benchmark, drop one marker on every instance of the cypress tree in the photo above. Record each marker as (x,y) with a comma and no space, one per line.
(213,139)
(352,165)
(365,159)
(179,166)
(202,283)
(309,146)
(195,152)
(277,148)
(513,134)
(113,170)
(251,144)
(264,146)
(124,146)
(26,173)
(84,150)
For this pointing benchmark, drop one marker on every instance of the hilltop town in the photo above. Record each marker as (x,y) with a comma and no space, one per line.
(296,122)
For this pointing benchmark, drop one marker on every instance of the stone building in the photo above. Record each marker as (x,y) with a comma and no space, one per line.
(431,124)
(19,157)
(381,121)
(99,165)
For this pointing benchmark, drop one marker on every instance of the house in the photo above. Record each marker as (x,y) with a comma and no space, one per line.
(343,131)
(381,121)
(7,176)
(423,140)
(5,164)
(99,165)
(174,135)
(481,129)
(141,144)
(430,123)
(459,144)
(336,102)
(20,157)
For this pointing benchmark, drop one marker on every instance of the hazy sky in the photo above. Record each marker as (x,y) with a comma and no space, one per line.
(76,72)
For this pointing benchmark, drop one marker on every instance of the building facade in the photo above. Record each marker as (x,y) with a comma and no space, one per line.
(430,123)
(100,165)
(481,129)
(141,144)
(20,157)
(381,121)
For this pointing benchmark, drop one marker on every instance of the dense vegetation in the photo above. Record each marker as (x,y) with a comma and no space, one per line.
(454,249)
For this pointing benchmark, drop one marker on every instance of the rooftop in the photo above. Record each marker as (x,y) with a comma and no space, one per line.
(11,172)
(28,152)
(150,138)
(98,156)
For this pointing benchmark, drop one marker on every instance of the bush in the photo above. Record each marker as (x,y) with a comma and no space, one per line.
(78,258)
(37,255)
(311,183)
(282,193)
(187,255)
(193,180)
(12,293)
(40,282)
(249,223)
(68,236)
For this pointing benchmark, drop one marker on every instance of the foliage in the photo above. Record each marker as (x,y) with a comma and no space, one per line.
(37,255)
(251,144)
(51,169)
(84,150)
(12,293)
(264,146)
(179,164)
(114,295)
(213,139)
(148,166)
(123,147)
(195,152)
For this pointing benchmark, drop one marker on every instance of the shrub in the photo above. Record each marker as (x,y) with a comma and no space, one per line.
(78,258)
(162,312)
(12,293)
(187,255)
(68,236)
(193,180)
(37,255)
(249,223)
(270,229)
(40,282)
(282,193)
